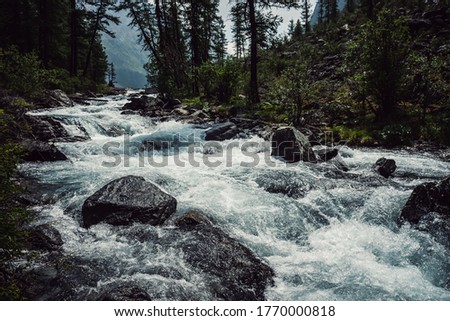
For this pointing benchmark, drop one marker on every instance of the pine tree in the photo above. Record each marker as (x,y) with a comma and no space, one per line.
(250,12)
(73,22)
(306,15)
(295,30)
(99,22)
(239,29)
(321,11)
(60,32)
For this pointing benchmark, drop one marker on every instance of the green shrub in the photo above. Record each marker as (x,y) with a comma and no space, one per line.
(22,73)
(354,136)
(292,91)
(12,215)
(381,52)
(220,81)
(396,135)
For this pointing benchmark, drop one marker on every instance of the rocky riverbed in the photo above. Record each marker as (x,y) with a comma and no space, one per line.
(138,197)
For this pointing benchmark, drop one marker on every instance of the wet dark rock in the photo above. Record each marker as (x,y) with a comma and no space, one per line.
(192,218)
(325,153)
(34,191)
(116,91)
(241,275)
(151,91)
(56,277)
(44,238)
(45,128)
(221,132)
(125,292)
(50,129)
(36,151)
(437,225)
(144,103)
(54,99)
(198,117)
(428,198)
(172,103)
(290,144)
(128,200)
(385,167)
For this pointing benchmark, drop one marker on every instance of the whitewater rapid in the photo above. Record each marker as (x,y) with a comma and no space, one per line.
(338,240)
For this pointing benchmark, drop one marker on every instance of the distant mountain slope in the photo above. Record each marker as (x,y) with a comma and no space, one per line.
(126,54)
(315,15)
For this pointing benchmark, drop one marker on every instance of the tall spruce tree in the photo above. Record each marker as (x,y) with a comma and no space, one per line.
(98,22)
(250,12)
(306,15)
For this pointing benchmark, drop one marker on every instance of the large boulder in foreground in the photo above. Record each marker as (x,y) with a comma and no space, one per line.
(128,200)
(242,276)
(290,144)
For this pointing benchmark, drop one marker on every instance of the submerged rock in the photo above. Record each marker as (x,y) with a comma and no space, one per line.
(325,153)
(290,144)
(385,167)
(221,132)
(128,200)
(36,151)
(281,182)
(125,292)
(241,275)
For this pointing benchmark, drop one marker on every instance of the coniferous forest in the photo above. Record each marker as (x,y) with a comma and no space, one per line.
(373,73)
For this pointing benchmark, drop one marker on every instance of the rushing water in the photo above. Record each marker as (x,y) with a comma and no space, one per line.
(337,238)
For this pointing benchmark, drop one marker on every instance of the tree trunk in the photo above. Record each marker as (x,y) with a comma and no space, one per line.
(73,39)
(370,9)
(43,32)
(94,35)
(254,93)
(195,44)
